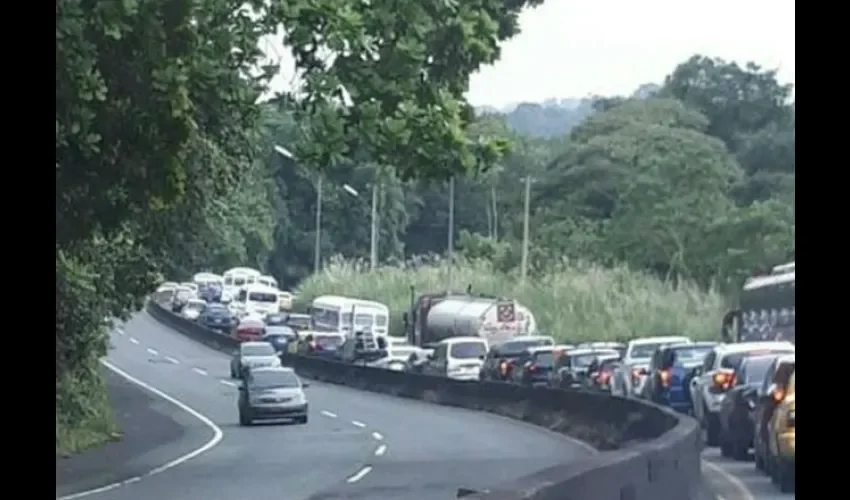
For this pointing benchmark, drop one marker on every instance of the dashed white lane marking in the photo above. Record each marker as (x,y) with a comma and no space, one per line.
(172,360)
(152,352)
(227,383)
(133,341)
(378,436)
(360,474)
(357,423)
(119,331)
(217,435)
(380,450)
(199,371)
(329,414)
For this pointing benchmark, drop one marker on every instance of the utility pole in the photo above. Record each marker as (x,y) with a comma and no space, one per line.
(373,247)
(317,255)
(525,217)
(451,237)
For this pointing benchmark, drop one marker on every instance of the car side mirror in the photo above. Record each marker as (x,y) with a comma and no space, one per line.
(429,357)
(241,387)
(305,384)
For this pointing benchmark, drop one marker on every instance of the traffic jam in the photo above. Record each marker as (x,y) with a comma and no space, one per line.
(742,390)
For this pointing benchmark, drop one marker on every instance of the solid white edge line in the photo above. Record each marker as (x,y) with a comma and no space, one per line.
(745,492)
(217,435)
(360,474)
(380,450)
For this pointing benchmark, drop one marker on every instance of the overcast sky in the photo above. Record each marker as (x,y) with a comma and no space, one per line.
(575,48)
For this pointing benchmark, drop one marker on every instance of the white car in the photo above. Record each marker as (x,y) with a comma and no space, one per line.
(193,309)
(628,379)
(717,375)
(459,358)
(398,355)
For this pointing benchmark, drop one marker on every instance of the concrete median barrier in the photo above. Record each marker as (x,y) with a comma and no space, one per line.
(646,452)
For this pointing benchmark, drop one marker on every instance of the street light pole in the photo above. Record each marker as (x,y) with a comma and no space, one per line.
(525,222)
(373,240)
(317,255)
(451,236)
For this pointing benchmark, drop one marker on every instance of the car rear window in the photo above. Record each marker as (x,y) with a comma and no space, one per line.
(466,350)
(515,348)
(733,361)
(543,359)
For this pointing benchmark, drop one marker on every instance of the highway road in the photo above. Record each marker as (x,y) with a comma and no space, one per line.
(357,445)
(735,480)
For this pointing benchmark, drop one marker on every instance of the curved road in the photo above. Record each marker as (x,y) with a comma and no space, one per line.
(357,445)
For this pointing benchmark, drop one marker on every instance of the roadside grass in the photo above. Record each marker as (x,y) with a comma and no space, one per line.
(574,301)
(94,427)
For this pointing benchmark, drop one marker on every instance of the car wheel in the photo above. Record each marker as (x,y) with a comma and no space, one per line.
(712,428)
(725,447)
(759,458)
(301,420)
(740,450)
(244,420)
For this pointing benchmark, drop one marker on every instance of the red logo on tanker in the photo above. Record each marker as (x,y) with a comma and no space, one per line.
(505,312)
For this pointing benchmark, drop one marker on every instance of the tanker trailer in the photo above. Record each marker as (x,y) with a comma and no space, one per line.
(493,319)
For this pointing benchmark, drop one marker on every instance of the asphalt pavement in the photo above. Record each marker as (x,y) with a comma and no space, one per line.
(738,480)
(357,445)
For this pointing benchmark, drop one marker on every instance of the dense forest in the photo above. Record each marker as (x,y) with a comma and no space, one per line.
(166,165)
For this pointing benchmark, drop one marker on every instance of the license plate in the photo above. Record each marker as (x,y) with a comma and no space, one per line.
(217,320)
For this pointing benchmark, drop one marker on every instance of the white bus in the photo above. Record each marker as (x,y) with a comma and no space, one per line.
(237,277)
(268,281)
(346,315)
(256,299)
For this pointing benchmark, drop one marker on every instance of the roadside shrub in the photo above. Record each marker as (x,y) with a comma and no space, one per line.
(574,301)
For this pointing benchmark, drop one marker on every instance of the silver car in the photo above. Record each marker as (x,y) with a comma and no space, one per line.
(272,393)
(252,355)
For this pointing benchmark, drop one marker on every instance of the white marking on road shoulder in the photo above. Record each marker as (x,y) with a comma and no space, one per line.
(227,383)
(745,492)
(357,423)
(379,452)
(329,414)
(133,341)
(152,352)
(172,360)
(360,474)
(199,371)
(378,436)
(217,435)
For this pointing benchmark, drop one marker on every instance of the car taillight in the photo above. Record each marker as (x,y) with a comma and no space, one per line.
(778,395)
(636,373)
(603,377)
(664,375)
(723,378)
(503,367)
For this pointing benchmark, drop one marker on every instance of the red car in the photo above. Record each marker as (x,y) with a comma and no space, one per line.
(249,329)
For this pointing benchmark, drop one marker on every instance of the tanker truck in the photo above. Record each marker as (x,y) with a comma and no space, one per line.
(436,317)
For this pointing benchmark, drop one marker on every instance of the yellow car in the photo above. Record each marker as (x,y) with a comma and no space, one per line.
(782,443)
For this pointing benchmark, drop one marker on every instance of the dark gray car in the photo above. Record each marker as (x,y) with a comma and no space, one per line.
(272,393)
(252,355)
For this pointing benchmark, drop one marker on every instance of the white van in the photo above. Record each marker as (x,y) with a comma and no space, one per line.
(347,315)
(268,281)
(256,299)
(202,279)
(236,278)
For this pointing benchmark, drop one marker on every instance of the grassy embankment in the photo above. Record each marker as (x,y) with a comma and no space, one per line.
(95,426)
(574,301)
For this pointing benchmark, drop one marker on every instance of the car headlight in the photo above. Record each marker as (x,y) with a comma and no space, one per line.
(751,404)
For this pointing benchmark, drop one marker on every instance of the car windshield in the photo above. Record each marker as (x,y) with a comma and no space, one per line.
(515,347)
(275,320)
(543,359)
(274,379)
(583,360)
(218,311)
(733,360)
(298,322)
(756,369)
(266,298)
(258,350)
(467,350)
(687,354)
(644,350)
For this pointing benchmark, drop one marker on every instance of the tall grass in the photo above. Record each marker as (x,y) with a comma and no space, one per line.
(574,301)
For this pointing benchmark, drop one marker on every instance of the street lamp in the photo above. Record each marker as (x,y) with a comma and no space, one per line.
(317,250)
